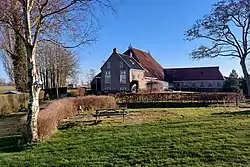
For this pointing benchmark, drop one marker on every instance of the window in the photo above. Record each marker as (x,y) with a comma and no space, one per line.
(210,84)
(107,77)
(108,65)
(133,76)
(193,85)
(202,85)
(218,84)
(108,88)
(178,85)
(121,64)
(123,88)
(123,77)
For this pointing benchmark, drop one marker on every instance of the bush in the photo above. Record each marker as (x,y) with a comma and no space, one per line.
(77,92)
(81,91)
(72,93)
(12,103)
(41,95)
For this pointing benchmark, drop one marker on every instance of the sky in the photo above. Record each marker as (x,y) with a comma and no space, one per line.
(156,26)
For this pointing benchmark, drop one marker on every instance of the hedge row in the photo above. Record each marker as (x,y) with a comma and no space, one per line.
(96,102)
(12,103)
(178,97)
(50,117)
(76,92)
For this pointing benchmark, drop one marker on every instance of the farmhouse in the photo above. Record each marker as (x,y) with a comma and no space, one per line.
(206,79)
(136,70)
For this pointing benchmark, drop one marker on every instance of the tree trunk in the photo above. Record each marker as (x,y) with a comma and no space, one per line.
(19,58)
(33,106)
(246,75)
(46,79)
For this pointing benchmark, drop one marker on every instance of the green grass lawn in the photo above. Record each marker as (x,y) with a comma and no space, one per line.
(170,137)
(6,88)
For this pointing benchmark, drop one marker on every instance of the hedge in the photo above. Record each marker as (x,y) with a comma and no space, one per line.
(178,97)
(50,117)
(12,103)
(96,102)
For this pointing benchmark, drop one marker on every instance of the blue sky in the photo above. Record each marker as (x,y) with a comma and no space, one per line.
(157,26)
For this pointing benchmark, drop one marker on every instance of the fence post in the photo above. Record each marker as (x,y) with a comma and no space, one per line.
(96,114)
(123,115)
(237,101)
(224,101)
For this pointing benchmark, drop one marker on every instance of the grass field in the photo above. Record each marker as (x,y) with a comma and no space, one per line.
(152,137)
(6,88)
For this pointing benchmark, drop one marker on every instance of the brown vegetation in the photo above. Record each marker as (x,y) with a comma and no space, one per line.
(12,103)
(177,97)
(50,117)
(96,102)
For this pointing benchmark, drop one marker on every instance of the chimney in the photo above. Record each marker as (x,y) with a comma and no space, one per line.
(115,50)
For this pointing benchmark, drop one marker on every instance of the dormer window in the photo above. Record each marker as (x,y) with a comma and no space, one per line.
(132,62)
(121,64)
(108,65)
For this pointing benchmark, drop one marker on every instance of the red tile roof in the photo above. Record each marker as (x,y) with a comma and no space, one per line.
(152,67)
(196,73)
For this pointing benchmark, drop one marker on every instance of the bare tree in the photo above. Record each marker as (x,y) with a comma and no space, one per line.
(48,19)
(90,75)
(55,64)
(2,82)
(227,27)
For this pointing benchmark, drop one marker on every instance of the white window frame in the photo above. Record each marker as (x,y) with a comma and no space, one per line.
(123,88)
(121,64)
(107,77)
(202,85)
(123,77)
(210,85)
(185,85)
(107,88)
(108,65)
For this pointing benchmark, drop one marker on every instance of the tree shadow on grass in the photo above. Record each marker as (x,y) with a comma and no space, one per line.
(11,144)
(245,113)
(72,124)
(14,115)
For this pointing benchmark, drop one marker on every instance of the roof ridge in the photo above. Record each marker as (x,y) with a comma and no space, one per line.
(191,67)
(141,51)
(149,54)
